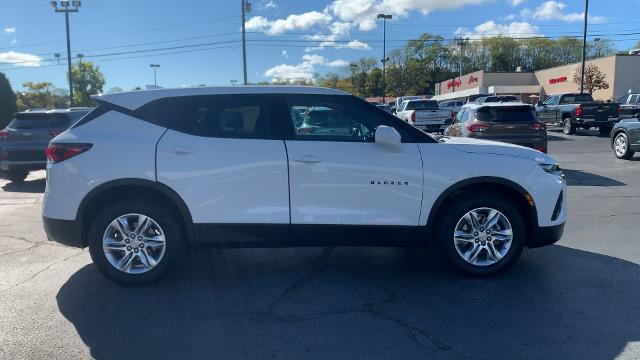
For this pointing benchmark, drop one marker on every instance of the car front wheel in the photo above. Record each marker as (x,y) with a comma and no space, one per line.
(135,243)
(482,235)
(621,147)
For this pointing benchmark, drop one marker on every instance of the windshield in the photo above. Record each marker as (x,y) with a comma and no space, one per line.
(576,99)
(505,114)
(422,105)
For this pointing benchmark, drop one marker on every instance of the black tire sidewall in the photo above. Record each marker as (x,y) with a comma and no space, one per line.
(174,250)
(461,206)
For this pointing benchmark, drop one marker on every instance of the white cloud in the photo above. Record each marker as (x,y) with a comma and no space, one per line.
(305,70)
(20,59)
(9,30)
(515,2)
(354,44)
(509,17)
(268,5)
(554,10)
(364,12)
(290,23)
(285,54)
(490,28)
(13,42)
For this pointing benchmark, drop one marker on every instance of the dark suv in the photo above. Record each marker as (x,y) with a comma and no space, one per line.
(23,142)
(509,122)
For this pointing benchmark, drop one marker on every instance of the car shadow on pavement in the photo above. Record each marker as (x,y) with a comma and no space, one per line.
(551,137)
(583,178)
(373,303)
(33,186)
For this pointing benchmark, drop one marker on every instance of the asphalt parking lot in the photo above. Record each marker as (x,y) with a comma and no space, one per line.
(574,300)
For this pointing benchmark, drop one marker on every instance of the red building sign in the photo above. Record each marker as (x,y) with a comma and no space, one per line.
(558,80)
(473,79)
(454,83)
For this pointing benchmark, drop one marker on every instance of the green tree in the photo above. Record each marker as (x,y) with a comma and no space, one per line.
(38,95)
(87,81)
(7,101)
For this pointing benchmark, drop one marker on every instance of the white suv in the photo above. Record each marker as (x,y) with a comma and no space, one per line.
(148,174)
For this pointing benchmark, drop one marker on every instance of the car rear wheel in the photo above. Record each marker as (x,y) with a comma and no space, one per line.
(17,176)
(135,243)
(621,147)
(482,235)
(568,128)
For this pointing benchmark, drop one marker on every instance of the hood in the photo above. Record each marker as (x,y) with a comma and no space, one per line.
(477,146)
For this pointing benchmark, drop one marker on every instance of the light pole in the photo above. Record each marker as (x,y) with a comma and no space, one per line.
(246,8)
(584,44)
(155,75)
(67,7)
(233,82)
(384,18)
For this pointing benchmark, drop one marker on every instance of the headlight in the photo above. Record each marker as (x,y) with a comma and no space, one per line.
(553,169)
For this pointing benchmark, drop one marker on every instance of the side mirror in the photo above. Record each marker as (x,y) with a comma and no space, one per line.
(387,135)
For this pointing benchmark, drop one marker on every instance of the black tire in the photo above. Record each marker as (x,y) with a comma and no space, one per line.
(175,241)
(605,130)
(568,128)
(627,153)
(461,205)
(17,176)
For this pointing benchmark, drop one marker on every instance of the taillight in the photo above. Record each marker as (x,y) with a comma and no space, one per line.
(619,109)
(541,149)
(4,134)
(413,116)
(539,126)
(60,152)
(579,111)
(477,126)
(453,114)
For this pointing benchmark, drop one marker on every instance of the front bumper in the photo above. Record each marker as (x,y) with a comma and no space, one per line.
(545,235)
(65,232)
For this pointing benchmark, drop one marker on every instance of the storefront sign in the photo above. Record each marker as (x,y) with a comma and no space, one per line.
(558,80)
(473,79)
(454,83)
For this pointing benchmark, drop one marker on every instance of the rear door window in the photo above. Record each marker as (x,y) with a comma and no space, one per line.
(222,116)
(633,99)
(505,114)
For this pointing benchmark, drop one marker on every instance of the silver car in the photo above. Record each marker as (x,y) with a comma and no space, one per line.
(24,140)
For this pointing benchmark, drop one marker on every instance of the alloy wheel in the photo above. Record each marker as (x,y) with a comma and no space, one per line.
(620,145)
(483,236)
(134,243)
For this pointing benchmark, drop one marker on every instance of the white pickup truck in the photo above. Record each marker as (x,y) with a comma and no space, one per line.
(424,115)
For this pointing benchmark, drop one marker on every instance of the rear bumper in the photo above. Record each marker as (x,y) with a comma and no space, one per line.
(65,232)
(22,165)
(545,235)
(597,122)
(22,157)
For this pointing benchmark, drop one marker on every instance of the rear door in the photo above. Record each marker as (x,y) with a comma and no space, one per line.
(348,179)
(223,157)
(548,112)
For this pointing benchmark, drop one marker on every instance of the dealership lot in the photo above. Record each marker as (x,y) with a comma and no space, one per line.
(577,299)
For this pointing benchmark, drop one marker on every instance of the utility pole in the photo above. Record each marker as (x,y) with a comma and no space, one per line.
(384,18)
(67,7)
(584,44)
(246,8)
(461,42)
(155,75)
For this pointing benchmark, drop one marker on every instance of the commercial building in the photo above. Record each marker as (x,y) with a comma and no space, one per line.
(622,73)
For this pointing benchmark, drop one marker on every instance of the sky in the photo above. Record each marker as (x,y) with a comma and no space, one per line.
(199,41)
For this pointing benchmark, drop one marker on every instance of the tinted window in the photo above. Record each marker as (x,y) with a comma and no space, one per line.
(576,98)
(24,121)
(633,99)
(338,118)
(505,114)
(422,105)
(224,116)
(622,100)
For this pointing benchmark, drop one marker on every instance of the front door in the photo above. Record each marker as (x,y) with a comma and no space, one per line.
(338,175)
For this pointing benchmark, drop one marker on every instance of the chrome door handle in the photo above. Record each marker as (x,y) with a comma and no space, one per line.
(307,159)
(181,150)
